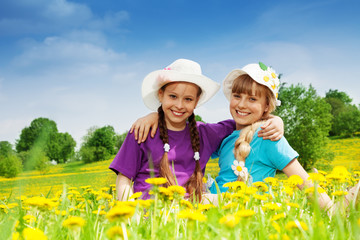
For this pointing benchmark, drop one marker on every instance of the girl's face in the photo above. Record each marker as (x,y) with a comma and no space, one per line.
(247,108)
(178,101)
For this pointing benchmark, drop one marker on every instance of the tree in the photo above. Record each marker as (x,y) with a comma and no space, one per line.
(120,138)
(10,164)
(6,148)
(346,116)
(99,144)
(40,128)
(43,135)
(347,122)
(60,147)
(307,120)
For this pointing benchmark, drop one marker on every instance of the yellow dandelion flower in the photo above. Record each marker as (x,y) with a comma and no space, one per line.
(339,193)
(15,236)
(245,213)
(120,213)
(100,212)
(278,216)
(272,181)
(294,180)
(273,236)
(204,180)
(145,203)
(3,208)
(204,207)
(29,218)
(156,181)
(230,205)
(235,185)
(33,234)
(62,213)
(105,189)
(359,221)
(116,232)
(251,190)
(165,191)
(72,188)
(288,190)
(230,220)
(136,195)
(316,177)
(322,172)
(272,206)
(285,237)
(311,190)
(260,197)
(261,186)
(12,205)
(73,222)
(276,226)
(294,205)
(179,190)
(186,204)
(296,225)
(191,214)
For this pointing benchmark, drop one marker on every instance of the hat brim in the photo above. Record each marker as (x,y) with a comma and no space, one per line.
(151,86)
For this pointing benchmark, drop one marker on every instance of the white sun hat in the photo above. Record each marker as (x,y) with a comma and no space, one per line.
(260,73)
(182,70)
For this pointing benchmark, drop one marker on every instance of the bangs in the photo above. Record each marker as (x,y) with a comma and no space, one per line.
(245,84)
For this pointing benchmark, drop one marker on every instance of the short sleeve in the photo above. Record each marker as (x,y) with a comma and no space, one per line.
(214,133)
(279,153)
(128,160)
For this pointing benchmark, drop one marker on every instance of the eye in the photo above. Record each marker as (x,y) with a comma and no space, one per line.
(172,96)
(235,95)
(188,99)
(253,99)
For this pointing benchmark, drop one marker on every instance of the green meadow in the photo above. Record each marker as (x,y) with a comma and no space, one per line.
(76,174)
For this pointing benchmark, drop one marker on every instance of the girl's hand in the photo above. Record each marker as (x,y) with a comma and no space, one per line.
(272,129)
(142,126)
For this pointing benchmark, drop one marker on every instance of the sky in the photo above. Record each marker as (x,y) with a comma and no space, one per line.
(81,63)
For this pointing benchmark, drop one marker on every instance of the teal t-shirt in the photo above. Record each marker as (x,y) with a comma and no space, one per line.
(264,158)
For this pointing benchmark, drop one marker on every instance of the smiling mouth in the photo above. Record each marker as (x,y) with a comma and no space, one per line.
(242,113)
(177,113)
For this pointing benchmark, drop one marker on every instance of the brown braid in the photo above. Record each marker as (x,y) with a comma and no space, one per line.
(242,144)
(164,168)
(194,185)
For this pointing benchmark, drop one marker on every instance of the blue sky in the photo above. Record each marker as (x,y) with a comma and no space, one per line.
(81,63)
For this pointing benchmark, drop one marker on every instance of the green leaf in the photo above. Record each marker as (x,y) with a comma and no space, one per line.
(262,66)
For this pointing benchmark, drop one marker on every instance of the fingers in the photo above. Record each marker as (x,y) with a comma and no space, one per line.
(266,124)
(153,129)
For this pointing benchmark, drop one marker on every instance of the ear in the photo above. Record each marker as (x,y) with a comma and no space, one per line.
(266,108)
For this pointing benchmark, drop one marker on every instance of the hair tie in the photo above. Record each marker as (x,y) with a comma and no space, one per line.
(166,147)
(197,156)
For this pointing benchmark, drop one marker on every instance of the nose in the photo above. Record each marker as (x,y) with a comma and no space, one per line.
(241,103)
(179,104)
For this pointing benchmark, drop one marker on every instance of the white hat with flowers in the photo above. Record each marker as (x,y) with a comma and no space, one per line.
(261,73)
(181,70)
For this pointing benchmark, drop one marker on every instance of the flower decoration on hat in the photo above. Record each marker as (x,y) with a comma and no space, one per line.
(271,80)
(240,170)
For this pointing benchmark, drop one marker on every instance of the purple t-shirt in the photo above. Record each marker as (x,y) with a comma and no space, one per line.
(136,161)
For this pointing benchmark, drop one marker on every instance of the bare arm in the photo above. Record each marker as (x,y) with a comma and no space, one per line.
(142,126)
(272,129)
(295,168)
(123,187)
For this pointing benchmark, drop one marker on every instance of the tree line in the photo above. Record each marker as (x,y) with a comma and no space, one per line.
(308,119)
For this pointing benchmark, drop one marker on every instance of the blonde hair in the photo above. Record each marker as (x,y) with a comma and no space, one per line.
(245,84)
(194,185)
